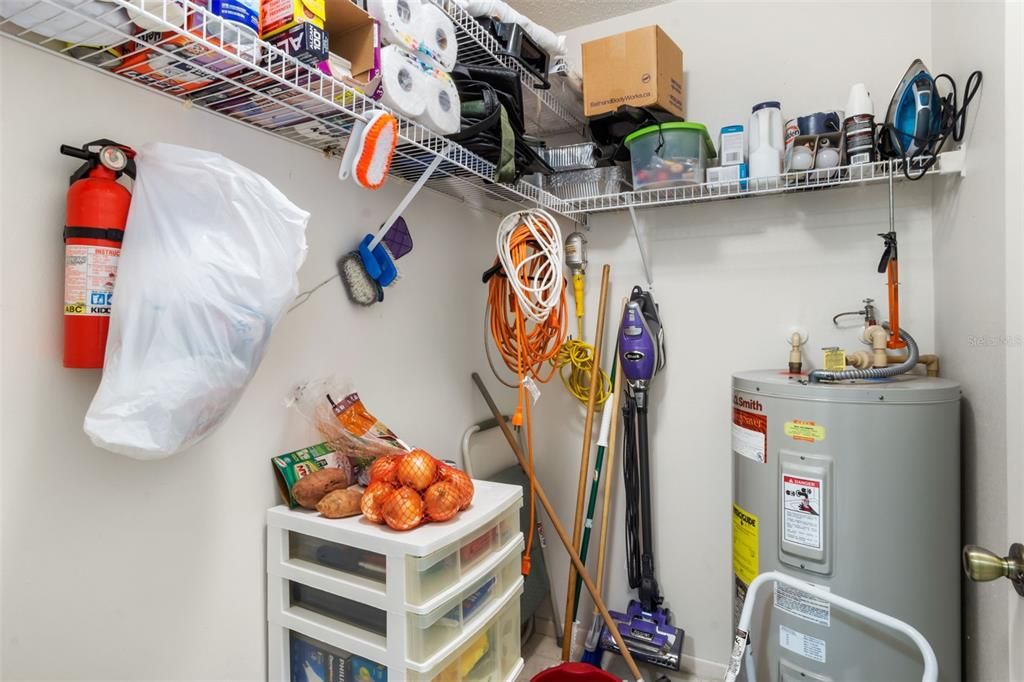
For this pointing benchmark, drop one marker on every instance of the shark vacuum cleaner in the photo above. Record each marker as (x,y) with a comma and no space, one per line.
(645,626)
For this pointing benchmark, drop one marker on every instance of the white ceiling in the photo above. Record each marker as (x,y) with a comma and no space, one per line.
(561,15)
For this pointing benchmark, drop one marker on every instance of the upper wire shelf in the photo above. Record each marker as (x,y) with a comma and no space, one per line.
(799,181)
(222,70)
(551,111)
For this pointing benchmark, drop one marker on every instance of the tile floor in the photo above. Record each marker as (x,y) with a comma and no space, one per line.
(539,653)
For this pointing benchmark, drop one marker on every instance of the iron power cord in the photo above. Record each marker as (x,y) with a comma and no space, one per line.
(952,123)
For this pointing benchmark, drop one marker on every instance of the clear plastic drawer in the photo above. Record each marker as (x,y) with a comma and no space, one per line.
(490,656)
(428,576)
(428,633)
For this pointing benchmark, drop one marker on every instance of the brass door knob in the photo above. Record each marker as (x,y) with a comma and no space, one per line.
(981,565)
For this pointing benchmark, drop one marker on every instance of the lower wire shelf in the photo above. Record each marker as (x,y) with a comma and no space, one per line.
(188,55)
(787,183)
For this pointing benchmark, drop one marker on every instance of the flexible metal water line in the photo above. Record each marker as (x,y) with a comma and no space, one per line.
(875,372)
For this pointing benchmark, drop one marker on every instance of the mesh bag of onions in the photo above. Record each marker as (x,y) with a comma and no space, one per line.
(408,490)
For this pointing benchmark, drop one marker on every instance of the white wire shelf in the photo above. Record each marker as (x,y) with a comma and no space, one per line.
(787,183)
(548,112)
(251,82)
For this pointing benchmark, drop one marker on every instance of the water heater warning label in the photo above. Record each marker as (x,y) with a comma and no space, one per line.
(750,435)
(799,643)
(798,603)
(744,544)
(802,500)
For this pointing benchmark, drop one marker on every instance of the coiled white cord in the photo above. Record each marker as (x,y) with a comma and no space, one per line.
(539,296)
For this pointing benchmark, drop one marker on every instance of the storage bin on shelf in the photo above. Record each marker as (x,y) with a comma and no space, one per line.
(669,154)
(401,601)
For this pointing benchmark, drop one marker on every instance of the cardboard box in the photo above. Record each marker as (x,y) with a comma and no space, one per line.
(641,68)
(277,16)
(306,42)
(354,35)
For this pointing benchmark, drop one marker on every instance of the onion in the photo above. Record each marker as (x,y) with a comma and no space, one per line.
(442,501)
(384,468)
(374,497)
(463,484)
(417,469)
(403,509)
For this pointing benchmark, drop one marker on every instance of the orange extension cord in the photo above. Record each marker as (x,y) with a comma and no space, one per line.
(527,347)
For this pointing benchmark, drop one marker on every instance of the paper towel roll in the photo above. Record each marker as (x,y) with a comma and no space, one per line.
(439,40)
(406,86)
(400,20)
(443,106)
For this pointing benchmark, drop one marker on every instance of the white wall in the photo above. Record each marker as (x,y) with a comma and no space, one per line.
(118,569)
(977,346)
(732,277)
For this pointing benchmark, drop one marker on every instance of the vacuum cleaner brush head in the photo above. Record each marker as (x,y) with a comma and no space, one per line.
(648,635)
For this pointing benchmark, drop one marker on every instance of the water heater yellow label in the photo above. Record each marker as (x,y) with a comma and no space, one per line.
(744,544)
(806,431)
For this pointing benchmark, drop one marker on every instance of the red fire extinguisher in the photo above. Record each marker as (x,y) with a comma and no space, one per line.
(96,214)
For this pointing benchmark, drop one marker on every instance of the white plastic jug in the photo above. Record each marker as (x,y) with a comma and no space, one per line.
(765,144)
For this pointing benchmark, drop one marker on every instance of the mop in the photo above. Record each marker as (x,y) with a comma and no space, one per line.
(645,625)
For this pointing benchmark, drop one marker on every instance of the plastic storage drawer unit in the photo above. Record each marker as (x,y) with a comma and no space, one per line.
(397,603)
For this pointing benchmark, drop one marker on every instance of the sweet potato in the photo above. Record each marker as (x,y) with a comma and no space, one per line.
(338,504)
(310,489)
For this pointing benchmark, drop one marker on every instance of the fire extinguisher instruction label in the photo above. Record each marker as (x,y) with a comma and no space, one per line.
(750,435)
(804,645)
(802,509)
(89,274)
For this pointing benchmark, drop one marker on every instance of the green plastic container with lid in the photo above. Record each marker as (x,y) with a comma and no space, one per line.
(669,154)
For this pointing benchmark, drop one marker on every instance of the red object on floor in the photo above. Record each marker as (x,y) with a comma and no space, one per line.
(574,672)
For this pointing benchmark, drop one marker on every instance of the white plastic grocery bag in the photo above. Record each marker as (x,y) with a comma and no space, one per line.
(208,267)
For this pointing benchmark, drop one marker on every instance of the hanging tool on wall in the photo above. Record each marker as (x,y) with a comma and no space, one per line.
(645,625)
(97,210)
(889,266)
(526,317)
(576,359)
(371,267)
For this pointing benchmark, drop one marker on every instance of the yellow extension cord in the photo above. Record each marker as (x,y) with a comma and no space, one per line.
(575,360)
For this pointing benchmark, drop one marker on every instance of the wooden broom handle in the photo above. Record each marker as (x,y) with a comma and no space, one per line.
(573,555)
(588,426)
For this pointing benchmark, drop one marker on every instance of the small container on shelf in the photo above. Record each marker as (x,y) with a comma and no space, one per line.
(669,154)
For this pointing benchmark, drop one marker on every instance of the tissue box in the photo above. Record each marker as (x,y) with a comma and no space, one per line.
(727,178)
(277,16)
(306,42)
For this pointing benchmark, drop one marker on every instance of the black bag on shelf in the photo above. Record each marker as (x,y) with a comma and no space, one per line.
(610,129)
(493,125)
